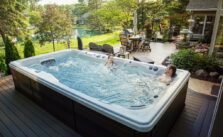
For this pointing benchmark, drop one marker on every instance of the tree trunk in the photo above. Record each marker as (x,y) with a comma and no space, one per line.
(68,43)
(51,32)
(3,36)
(53,44)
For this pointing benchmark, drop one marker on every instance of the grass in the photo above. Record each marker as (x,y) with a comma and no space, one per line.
(109,38)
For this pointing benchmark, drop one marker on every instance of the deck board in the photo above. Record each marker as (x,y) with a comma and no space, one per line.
(196,116)
(20,117)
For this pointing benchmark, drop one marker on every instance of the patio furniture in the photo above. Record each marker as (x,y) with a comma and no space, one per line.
(135,41)
(126,42)
(143,59)
(123,53)
(145,46)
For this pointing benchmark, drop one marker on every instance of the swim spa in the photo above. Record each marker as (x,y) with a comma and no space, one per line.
(95,100)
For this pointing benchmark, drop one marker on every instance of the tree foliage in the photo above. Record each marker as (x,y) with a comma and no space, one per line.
(150,12)
(13,21)
(106,18)
(112,14)
(94,5)
(79,9)
(55,24)
(177,12)
(29,50)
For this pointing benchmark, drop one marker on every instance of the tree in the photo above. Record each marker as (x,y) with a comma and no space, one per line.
(106,18)
(79,9)
(151,12)
(94,4)
(177,13)
(11,53)
(127,8)
(111,14)
(13,21)
(29,50)
(56,24)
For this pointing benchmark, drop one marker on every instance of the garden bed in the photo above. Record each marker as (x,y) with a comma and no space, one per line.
(208,78)
(201,66)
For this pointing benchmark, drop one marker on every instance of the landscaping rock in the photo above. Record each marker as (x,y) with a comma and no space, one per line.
(94,46)
(107,48)
(201,73)
(213,74)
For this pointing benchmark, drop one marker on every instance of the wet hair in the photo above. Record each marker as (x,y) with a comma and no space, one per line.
(174,69)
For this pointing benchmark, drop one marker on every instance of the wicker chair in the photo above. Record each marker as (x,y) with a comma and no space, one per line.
(126,42)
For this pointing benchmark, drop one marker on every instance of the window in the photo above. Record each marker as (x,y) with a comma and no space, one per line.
(198,25)
(209,28)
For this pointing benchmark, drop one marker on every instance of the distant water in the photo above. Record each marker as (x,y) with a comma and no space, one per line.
(85,32)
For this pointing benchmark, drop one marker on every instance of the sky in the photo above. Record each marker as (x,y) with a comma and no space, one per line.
(59,2)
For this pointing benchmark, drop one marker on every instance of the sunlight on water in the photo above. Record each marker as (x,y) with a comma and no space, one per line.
(124,85)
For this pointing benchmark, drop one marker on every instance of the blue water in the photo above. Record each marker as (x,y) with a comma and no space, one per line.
(124,85)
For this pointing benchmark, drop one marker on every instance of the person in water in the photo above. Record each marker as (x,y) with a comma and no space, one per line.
(168,75)
(109,63)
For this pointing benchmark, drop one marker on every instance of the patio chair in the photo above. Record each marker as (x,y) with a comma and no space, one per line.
(145,45)
(126,42)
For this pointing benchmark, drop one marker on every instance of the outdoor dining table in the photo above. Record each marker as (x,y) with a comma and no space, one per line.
(135,41)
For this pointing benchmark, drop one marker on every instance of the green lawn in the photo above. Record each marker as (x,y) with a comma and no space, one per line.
(110,38)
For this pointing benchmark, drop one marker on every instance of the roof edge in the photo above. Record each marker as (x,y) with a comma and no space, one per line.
(211,9)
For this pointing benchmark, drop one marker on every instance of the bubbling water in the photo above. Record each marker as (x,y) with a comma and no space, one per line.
(124,85)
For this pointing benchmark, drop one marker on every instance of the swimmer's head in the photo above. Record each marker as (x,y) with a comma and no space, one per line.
(171,70)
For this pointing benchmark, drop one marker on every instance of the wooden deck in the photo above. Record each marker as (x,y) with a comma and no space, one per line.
(20,117)
(196,117)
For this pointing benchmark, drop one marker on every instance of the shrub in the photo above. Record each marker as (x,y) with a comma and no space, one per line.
(166,35)
(11,53)
(29,50)
(189,60)
(186,59)
(208,63)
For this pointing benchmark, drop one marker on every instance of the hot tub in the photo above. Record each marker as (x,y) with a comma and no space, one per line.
(95,100)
